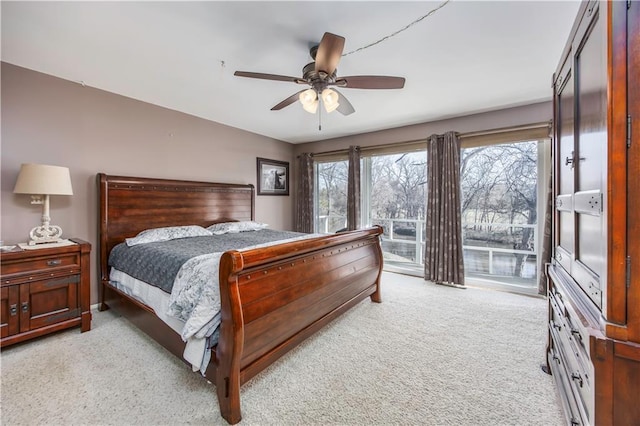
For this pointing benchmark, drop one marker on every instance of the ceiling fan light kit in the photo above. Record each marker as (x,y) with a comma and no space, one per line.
(321,74)
(309,101)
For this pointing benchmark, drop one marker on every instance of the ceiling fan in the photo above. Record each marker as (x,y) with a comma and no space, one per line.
(321,76)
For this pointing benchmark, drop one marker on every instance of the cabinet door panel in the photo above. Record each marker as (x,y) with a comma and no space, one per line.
(52,301)
(566,225)
(591,242)
(9,311)
(564,151)
(591,141)
(591,74)
(566,134)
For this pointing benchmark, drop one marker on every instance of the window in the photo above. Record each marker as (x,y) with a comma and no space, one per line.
(500,213)
(394,194)
(501,189)
(331,196)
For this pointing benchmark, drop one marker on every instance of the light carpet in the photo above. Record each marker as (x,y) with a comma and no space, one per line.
(427,355)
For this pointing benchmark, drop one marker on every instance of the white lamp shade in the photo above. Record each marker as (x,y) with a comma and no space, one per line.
(311,107)
(330,100)
(41,179)
(331,107)
(307,97)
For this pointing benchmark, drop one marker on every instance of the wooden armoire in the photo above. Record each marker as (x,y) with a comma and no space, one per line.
(594,275)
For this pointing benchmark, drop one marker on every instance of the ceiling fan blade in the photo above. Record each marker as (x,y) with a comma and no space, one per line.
(370,82)
(329,53)
(269,77)
(344,107)
(291,99)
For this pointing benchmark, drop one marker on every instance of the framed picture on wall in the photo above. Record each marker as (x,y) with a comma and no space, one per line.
(273,177)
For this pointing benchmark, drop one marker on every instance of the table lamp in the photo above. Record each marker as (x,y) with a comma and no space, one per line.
(40,181)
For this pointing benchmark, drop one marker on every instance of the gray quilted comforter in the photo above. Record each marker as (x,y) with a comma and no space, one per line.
(187,268)
(158,263)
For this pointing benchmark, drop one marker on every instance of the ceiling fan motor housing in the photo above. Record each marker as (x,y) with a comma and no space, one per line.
(317,79)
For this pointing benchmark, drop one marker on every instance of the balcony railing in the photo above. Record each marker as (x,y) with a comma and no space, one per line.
(486,249)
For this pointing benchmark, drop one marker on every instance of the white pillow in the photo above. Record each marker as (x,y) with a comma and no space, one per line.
(167,233)
(235,227)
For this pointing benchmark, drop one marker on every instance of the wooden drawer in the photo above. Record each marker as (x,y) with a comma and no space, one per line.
(40,267)
(580,378)
(40,264)
(571,344)
(561,376)
(577,320)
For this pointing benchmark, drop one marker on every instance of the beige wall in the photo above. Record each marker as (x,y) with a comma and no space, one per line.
(528,114)
(52,121)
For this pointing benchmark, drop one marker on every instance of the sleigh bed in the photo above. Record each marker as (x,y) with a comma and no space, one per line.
(271,298)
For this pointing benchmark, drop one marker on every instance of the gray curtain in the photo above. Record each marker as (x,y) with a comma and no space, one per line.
(545,249)
(353,189)
(443,261)
(304,194)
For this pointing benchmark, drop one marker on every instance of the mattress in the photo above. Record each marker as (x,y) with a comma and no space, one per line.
(196,350)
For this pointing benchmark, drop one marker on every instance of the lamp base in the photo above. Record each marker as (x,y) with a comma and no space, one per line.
(45,234)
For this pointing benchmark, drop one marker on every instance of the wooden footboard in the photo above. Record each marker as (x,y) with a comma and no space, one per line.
(272,298)
(275,297)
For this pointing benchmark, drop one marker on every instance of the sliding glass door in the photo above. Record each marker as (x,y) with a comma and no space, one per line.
(331,196)
(394,193)
(501,196)
(500,213)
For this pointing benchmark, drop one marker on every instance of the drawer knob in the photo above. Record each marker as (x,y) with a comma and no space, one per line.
(557,326)
(13,309)
(577,334)
(25,306)
(54,262)
(577,377)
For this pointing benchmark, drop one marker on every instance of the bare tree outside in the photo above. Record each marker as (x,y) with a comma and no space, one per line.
(499,206)
(332,195)
(399,186)
(397,201)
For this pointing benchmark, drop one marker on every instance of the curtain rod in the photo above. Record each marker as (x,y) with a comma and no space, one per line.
(540,125)
(367,148)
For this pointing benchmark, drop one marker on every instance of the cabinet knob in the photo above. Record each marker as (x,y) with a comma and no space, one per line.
(568,160)
(25,306)
(571,161)
(13,309)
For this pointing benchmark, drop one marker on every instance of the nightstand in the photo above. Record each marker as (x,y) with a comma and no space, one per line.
(44,290)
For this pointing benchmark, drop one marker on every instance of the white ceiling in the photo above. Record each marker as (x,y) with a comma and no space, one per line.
(469,56)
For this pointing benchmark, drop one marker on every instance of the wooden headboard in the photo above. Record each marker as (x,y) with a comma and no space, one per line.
(129,205)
